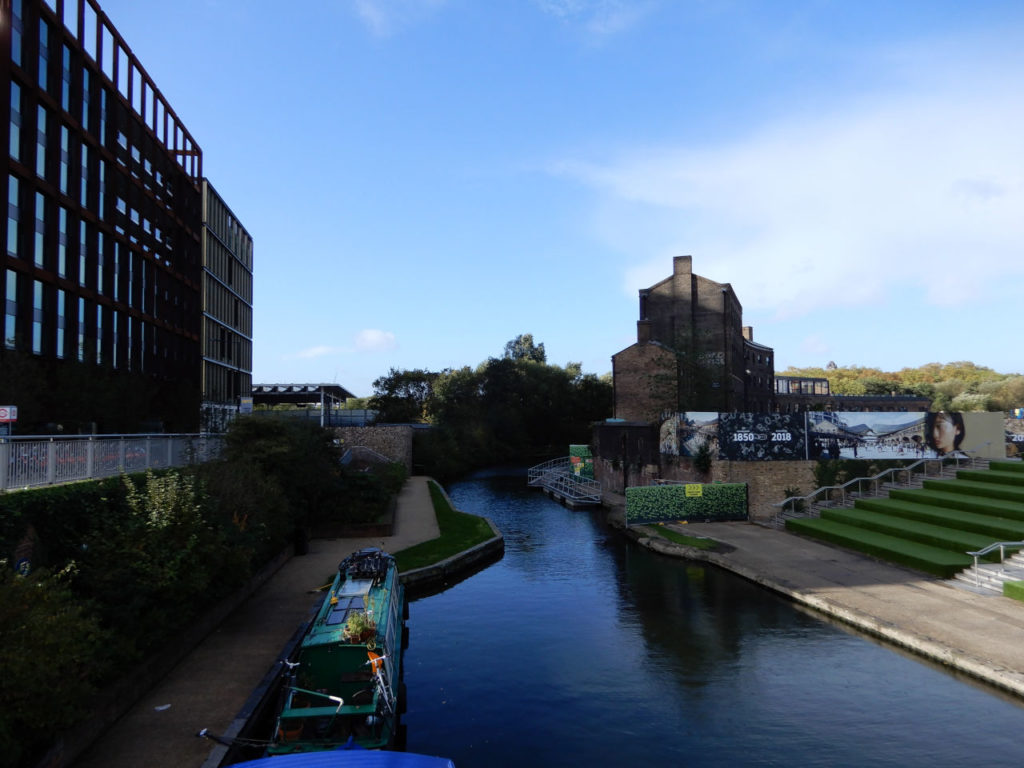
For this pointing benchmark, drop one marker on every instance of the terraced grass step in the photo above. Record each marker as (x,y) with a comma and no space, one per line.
(1007,466)
(992,476)
(966,502)
(999,528)
(976,488)
(923,557)
(926,533)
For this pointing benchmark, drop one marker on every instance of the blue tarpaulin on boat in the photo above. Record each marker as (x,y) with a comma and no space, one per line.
(349,758)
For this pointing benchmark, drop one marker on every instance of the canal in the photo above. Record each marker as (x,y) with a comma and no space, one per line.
(581,648)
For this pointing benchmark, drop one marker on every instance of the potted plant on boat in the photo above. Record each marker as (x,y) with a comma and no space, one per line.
(359,627)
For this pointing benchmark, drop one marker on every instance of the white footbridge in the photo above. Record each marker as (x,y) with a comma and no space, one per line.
(559,480)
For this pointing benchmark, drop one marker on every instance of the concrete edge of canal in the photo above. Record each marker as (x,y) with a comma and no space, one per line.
(964,653)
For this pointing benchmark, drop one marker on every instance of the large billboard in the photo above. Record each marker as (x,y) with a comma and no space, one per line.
(762,437)
(842,435)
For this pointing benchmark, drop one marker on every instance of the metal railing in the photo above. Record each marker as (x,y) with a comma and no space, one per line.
(1001,546)
(558,477)
(31,462)
(906,476)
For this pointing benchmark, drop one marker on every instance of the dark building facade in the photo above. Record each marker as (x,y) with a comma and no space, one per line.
(103,268)
(692,353)
(227,311)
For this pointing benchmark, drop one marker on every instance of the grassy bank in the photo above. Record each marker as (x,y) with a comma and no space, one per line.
(679,538)
(459,532)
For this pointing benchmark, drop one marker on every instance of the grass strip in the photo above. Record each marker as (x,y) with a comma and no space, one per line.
(682,539)
(459,531)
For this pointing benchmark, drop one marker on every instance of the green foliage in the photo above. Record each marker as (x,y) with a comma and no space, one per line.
(401,397)
(148,570)
(298,457)
(656,503)
(523,348)
(943,384)
(48,651)
(512,408)
(972,402)
(678,538)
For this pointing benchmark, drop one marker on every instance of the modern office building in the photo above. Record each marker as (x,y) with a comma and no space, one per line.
(227,311)
(107,231)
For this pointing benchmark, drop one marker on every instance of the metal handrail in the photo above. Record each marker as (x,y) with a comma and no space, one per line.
(557,475)
(1001,546)
(811,498)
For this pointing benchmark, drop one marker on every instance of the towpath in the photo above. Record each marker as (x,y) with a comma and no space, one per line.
(981,635)
(209,687)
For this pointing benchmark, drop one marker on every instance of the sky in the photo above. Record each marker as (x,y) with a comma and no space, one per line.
(425,180)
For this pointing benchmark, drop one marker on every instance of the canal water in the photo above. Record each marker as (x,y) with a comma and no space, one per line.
(580,648)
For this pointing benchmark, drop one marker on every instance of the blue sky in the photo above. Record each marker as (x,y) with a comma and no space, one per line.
(427,179)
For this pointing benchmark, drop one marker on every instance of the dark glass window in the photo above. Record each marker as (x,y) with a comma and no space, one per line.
(15,143)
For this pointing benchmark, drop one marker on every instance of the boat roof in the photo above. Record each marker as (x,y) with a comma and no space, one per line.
(349,758)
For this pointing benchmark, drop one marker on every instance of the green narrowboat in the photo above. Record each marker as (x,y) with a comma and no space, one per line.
(343,686)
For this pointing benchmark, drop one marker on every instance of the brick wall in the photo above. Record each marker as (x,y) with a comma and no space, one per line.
(393,441)
(645,382)
(766,480)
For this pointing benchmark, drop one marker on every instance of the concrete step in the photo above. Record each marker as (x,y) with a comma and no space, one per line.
(990,577)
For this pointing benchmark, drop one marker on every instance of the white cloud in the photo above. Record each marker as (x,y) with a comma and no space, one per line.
(599,18)
(902,195)
(372,340)
(385,17)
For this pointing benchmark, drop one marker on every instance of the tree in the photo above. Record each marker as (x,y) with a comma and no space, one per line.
(523,348)
(402,396)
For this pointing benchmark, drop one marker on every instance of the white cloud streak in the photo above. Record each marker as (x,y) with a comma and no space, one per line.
(598,18)
(914,191)
(386,17)
(372,340)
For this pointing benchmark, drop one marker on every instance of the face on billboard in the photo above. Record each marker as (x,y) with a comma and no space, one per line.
(946,433)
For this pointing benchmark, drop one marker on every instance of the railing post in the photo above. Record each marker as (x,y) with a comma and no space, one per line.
(90,457)
(51,462)
(5,462)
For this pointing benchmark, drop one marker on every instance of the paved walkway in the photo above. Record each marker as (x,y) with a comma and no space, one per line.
(982,635)
(209,687)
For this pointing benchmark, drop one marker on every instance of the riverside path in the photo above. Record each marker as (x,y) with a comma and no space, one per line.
(211,685)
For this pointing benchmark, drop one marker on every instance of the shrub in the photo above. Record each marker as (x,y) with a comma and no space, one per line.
(48,651)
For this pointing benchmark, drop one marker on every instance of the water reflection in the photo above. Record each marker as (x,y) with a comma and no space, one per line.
(580,648)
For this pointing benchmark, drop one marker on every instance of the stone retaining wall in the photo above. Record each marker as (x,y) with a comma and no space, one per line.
(393,441)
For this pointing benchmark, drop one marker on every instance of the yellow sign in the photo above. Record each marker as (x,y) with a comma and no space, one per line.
(693,490)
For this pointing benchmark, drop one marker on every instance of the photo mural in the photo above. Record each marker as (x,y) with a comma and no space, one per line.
(841,435)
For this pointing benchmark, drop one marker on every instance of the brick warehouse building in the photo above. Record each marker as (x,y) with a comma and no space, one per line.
(692,352)
(106,233)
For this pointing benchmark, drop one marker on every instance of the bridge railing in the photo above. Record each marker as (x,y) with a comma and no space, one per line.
(30,462)
(558,476)
(859,487)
